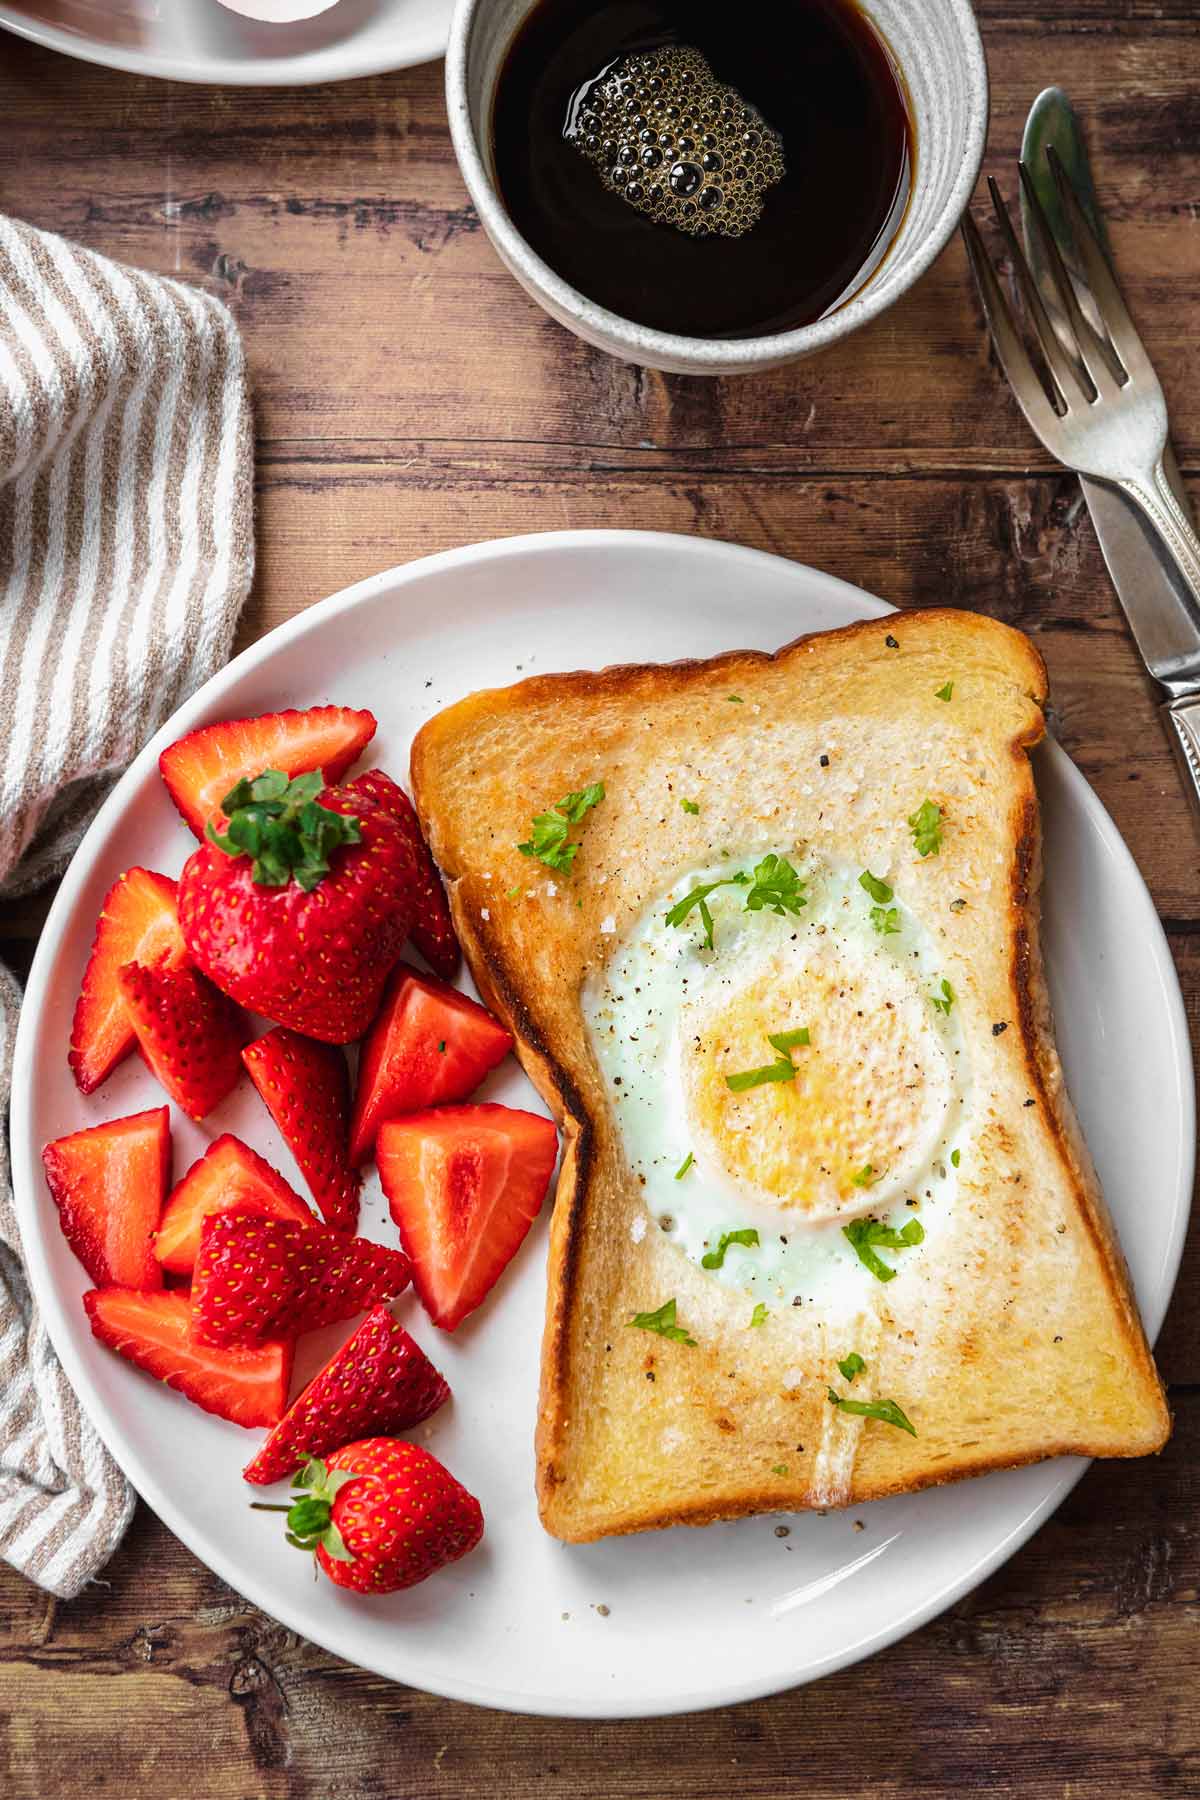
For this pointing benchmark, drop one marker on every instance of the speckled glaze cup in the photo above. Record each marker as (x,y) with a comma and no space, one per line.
(936,44)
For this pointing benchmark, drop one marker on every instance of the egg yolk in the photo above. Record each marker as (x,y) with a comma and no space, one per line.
(867,1098)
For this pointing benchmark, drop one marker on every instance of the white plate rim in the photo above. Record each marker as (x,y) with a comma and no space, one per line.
(25,1154)
(341,62)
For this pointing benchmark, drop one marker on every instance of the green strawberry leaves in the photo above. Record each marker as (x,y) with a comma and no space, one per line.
(280,825)
(310,1513)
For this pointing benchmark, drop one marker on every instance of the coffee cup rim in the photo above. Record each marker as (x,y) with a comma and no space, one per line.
(644,344)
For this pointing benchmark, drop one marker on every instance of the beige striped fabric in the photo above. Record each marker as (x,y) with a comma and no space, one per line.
(126,551)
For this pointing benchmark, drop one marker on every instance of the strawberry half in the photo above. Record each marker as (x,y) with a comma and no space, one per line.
(188,1032)
(379,1382)
(154,1331)
(380,1515)
(429,1045)
(138,923)
(299,906)
(464,1184)
(108,1184)
(307,1092)
(205,764)
(432,927)
(258,1278)
(229,1177)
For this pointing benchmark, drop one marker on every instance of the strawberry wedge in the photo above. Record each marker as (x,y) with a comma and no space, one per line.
(432,927)
(378,1383)
(154,1331)
(429,1045)
(202,767)
(108,1184)
(138,923)
(229,1177)
(464,1184)
(258,1278)
(190,1034)
(307,1092)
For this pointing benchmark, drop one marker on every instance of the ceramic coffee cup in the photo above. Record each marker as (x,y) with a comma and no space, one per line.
(937,47)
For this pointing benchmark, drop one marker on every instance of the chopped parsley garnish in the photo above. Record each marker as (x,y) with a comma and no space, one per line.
(944,693)
(774,883)
(884,918)
(548,833)
(689,806)
(783,1070)
(779,1468)
(736,699)
(852,1365)
(442,1047)
(663,1322)
(865,1177)
(684,1166)
(760,1315)
(956,1157)
(926,827)
(514,893)
(864,1234)
(783,1041)
(886,1410)
(943,1000)
(715,1259)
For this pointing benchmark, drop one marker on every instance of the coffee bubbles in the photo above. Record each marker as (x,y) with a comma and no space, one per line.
(674,142)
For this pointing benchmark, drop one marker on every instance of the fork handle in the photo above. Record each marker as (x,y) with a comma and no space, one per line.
(1182,720)
(1158,500)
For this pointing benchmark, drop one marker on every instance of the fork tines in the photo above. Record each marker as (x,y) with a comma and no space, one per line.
(1081,365)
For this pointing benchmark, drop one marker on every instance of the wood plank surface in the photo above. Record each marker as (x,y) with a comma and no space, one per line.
(408,397)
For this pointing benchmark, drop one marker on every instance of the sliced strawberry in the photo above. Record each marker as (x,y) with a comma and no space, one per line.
(138,923)
(307,1091)
(108,1183)
(464,1184)
(190,1034)
(429,1045)
(154,1331)
(258,1278)
(229,1177)
(378,1383)
(432,927)
(201,768)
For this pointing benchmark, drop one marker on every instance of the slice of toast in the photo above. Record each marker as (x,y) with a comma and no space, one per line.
(1006,1333)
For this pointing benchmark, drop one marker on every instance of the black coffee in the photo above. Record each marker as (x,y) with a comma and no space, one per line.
(719,168)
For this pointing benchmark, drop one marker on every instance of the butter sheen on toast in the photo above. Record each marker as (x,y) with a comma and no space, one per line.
(1008,1331)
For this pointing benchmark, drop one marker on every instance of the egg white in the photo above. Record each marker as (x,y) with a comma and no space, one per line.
(668,1018)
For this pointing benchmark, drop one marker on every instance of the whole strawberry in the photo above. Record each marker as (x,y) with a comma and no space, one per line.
(297,905)
(380,1514)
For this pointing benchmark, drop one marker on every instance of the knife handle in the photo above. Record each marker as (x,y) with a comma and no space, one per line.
(1158,500)
(1182,720)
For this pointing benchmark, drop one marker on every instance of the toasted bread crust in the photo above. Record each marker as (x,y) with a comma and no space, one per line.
(539,735)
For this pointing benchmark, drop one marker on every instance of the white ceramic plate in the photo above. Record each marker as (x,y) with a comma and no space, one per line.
(696,1618)
(200,40)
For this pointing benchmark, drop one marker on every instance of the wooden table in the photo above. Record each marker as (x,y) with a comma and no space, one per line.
(409,397)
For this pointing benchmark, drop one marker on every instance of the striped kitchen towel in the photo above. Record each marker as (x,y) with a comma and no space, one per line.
(126,551)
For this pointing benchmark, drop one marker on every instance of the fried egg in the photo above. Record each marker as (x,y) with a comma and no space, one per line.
(856,1110)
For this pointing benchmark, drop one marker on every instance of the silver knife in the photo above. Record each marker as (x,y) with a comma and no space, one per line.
(1158,605)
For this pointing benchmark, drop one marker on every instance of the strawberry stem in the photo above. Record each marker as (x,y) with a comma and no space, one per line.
(280,824)
(310,1510)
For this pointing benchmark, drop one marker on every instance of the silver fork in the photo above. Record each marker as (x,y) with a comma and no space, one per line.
(1101,412)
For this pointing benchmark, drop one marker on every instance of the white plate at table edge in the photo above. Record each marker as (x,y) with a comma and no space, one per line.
(420,39)
(799,598)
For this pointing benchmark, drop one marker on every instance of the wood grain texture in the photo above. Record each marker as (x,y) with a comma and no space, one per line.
(409,397)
